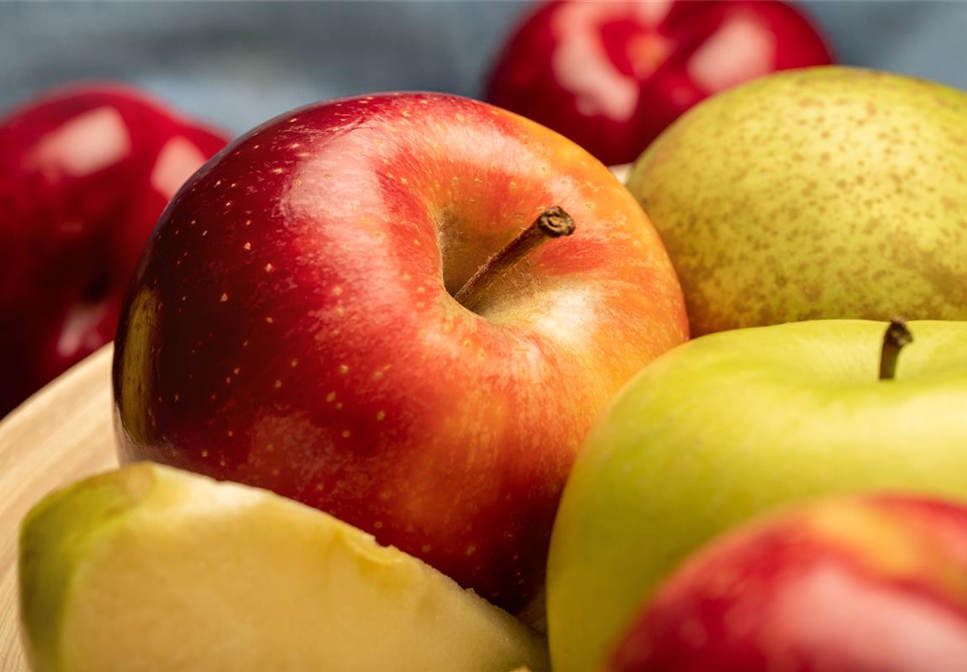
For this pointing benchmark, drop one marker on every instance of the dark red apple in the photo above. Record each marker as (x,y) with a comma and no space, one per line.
(612,75)
(84,174)
(311,317)
(866,584)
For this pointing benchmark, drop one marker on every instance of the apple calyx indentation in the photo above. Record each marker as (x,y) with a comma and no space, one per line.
(553,222)
(896,337)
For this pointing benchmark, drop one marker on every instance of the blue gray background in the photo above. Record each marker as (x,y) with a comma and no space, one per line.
(237,64)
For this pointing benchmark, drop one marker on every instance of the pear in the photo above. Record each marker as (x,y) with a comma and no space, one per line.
(826,192)
(151,568)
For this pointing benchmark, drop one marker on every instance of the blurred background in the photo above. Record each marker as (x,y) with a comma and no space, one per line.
(237,64)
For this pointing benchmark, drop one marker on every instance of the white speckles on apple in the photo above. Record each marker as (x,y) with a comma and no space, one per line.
(320,487)
(248,222)
(236,370)
(471,550)
(340,311)
(270,447)
(406,277)
(277,171)
(230,433)
(247,246)
(421,304)
(223,298)
(331,397)
(338,405)
(416,242)
(269,268)
(421,289)
(380,416)
(177,398)
(294,363)
(270,319)
(221,462)
(278,384)
(346,433)
(244,344)
(228,380)
(343,369)
(295,145)
(337,290)
(204,233)
(228,204)
(204,452)
(293,120)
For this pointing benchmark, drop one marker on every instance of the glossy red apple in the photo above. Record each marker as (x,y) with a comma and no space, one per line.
(84,174)
(293,325)
(876,583)
(611,75)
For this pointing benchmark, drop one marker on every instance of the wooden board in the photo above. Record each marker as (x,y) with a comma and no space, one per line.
(57,436)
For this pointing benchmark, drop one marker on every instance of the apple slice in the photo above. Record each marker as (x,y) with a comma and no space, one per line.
(153,568)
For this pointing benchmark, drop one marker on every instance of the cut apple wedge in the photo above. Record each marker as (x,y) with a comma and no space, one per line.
(151,568)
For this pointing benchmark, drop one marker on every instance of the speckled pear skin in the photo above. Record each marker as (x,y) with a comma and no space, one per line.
(827,192)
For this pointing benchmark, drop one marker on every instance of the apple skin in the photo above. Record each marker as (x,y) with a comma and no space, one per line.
(822,193)
(733,424)
(84,173)
(612,75)
(865,584)
(292,326)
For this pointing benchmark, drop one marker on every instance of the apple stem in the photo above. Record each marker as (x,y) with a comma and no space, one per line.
(552,223)
(897,335)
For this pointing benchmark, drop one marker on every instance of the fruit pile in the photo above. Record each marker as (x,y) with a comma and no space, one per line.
(395,372)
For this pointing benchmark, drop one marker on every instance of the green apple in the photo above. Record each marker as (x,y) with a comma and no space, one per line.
(820,193)
(150,568)
(736,423)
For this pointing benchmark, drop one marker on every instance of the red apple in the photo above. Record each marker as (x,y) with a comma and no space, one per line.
(612,75)
(876,583)
(293,325)
(84,174)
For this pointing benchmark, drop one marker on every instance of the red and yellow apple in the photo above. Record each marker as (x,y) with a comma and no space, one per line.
(612,75)
(84,173)
(293,325)
(870,583)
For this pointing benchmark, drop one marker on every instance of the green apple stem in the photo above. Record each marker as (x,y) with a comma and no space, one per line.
(552,223)
(897,335)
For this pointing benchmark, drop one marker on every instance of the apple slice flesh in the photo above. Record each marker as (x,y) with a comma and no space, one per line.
(153,568)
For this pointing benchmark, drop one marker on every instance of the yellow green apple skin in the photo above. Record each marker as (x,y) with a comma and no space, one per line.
(826,192)
(733,424)
(151,568)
